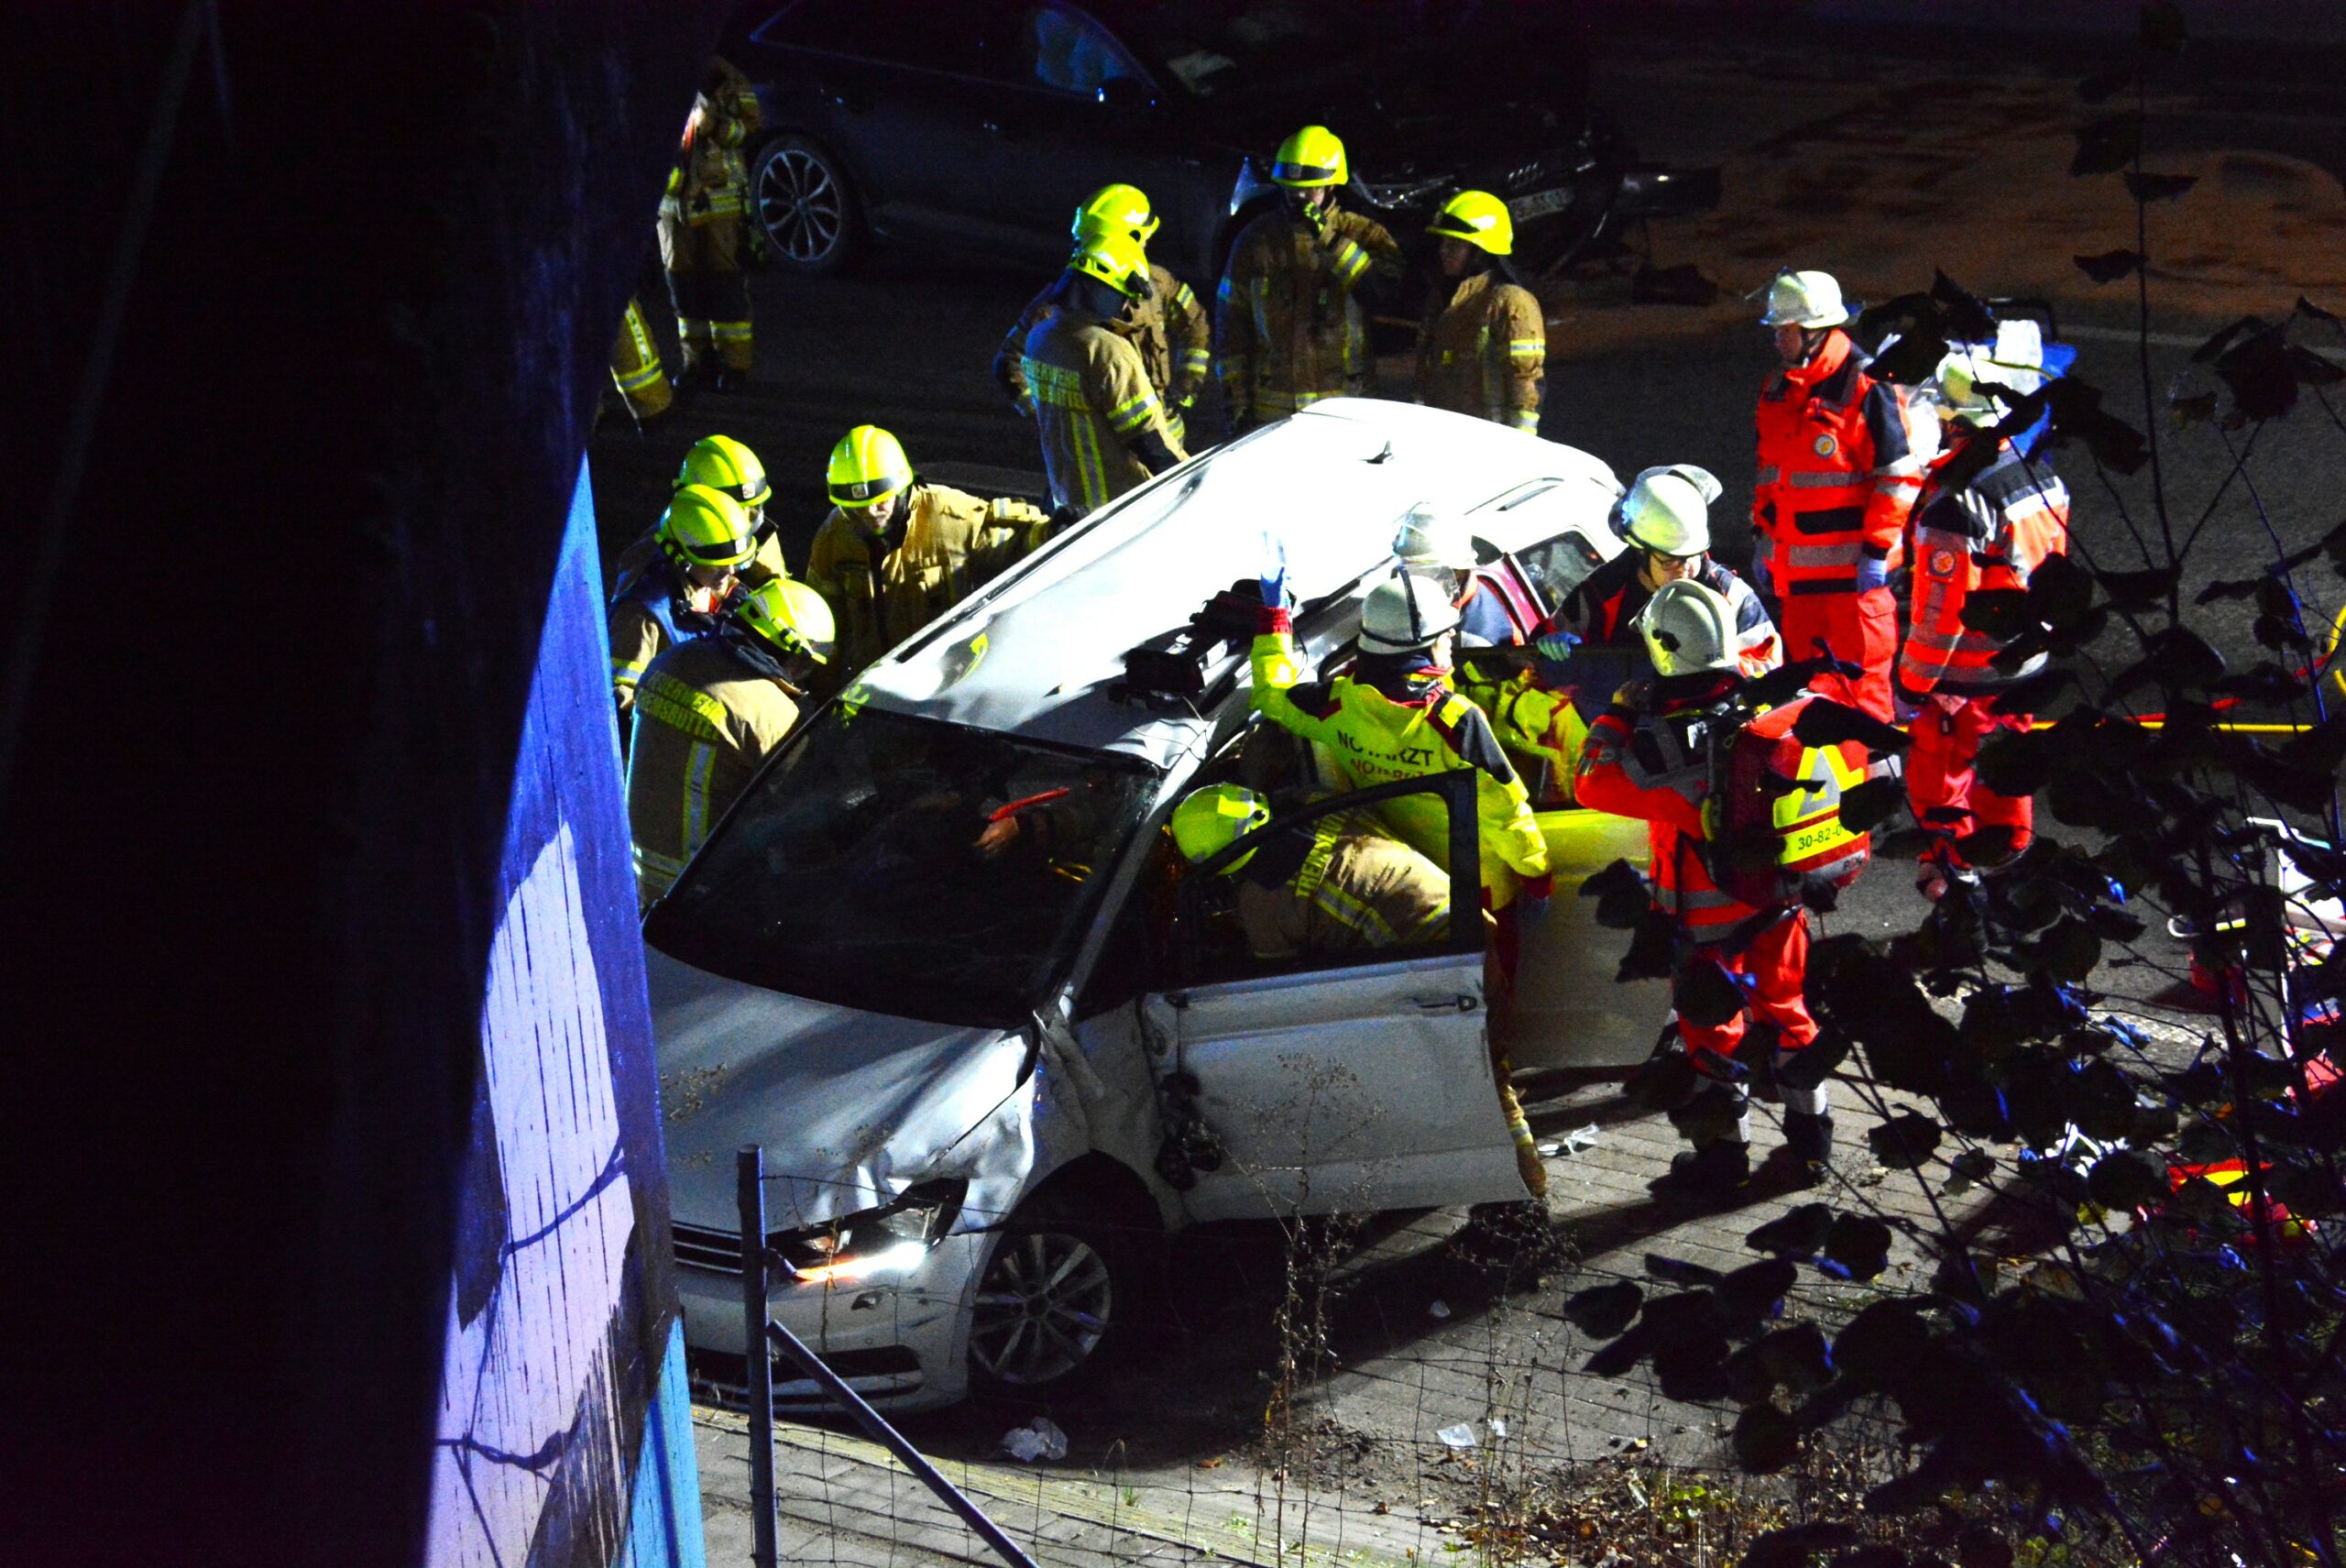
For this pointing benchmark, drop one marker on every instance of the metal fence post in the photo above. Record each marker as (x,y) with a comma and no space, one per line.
(751,1172)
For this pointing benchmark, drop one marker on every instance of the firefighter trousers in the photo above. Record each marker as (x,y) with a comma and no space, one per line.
(712,320)
(1859,628)
(1949,801)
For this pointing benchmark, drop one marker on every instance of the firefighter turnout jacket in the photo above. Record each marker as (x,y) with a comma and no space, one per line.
(1484,353)
(708,191)
(1836,473)
(707,713)
(635,366)
(1408,727)
(1992,534)
(1287,330)
(941,545)
(1093,401)
(1170,328)
(1358,888)
(649,614)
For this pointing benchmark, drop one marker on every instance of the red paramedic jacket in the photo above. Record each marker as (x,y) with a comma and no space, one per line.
(1836,473)
(1993,533)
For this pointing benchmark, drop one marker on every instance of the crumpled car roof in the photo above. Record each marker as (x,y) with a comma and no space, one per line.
(1034,653)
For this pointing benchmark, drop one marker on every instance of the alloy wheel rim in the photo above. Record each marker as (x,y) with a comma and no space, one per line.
(798,203)
(1042,1308)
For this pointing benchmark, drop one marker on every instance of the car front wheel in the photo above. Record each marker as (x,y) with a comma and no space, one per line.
(800,196)
(1051,1308)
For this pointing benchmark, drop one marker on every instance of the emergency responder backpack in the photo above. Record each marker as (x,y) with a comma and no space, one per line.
(1780,807)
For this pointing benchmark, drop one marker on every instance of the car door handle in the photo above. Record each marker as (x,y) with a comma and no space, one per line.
(1454,1002)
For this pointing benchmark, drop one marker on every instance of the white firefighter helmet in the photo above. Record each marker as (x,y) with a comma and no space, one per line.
(1688,629)
(1405,613)
(1430,536)
(1804,300)
(2014,362)
(1668,511)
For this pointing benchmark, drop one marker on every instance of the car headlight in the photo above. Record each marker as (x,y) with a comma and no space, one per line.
(877,1243)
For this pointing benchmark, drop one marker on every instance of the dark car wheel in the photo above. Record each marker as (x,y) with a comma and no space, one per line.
(800,196)
(1052,1306)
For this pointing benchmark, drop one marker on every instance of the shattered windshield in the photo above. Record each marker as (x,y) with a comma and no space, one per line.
(908,867)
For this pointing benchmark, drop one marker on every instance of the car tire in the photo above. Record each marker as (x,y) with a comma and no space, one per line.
(1054,1306)
(800,196)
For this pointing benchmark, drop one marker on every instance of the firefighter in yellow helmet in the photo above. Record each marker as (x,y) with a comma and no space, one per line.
(725,466)
(1338,883)
(636,371)
(704,540)
(1484,351)
(1103,425)
(1288,327)
(707,713)
(1168,326)
(897,552)
(704,237)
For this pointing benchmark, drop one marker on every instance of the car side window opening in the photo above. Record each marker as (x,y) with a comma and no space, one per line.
(1220,919)
(1556,566)
(1064,49)
(892,34)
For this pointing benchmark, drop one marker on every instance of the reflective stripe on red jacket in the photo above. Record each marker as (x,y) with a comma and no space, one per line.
(1992,534)
(1836,473)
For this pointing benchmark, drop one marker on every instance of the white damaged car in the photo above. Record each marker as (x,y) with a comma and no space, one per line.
(939,962)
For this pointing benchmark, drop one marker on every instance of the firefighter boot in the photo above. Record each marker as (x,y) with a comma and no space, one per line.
(1716,1169)
(1808,1142)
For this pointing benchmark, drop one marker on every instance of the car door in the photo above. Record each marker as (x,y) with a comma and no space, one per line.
(1073,110)
(898,96)
(1348,1083)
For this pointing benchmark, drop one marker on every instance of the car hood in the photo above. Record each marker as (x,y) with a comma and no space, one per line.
(851,1107)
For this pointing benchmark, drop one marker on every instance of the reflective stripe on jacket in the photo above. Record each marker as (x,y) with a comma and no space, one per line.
(883,590)
(704,720)
(1092,398)
(1371,739)
(1287,329)
(1837,475)
(1484,353)
(1170,328)
(1991,534)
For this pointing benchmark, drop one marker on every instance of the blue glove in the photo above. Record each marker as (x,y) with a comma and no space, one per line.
(1557,645)
(1872,574)
(1760,579)
(1274,577)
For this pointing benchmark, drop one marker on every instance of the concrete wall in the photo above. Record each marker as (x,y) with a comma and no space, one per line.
(324,1039)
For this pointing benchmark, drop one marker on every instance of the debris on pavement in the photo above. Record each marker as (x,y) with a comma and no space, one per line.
(1460,1437)
(1039,1439)
(1438,1310)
